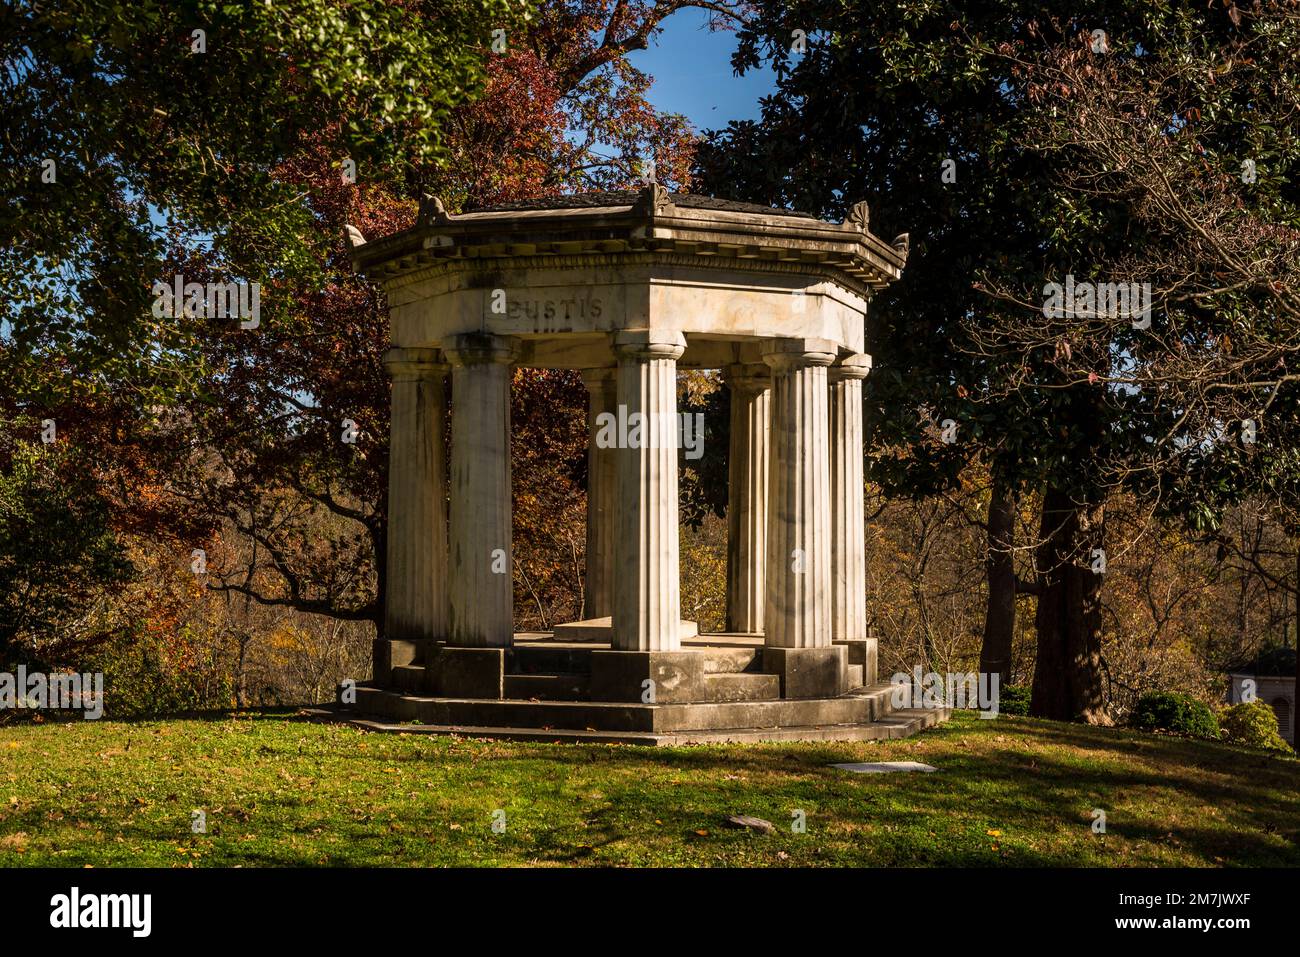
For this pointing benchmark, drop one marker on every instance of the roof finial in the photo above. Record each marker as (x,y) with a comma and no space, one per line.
(654,200)
(859,217)
(432,210)
(353,235)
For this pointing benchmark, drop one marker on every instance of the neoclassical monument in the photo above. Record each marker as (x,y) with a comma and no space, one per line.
(630,288)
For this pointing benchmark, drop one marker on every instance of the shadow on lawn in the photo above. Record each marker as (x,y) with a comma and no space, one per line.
(1035,781)
(1227,805)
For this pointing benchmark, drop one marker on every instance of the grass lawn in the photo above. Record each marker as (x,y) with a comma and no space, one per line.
(278,790)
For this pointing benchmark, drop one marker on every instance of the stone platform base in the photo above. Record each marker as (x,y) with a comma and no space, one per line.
(896,724)
(602,630)
(715,688)
(705,669)
(864,715)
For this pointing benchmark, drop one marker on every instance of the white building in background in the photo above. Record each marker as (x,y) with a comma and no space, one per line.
(1276,691)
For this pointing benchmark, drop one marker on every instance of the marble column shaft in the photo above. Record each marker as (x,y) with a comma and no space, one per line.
(747,478)
(848,520)
(798,573)
(415,606)
(480,573)
(602,494)
(647,599)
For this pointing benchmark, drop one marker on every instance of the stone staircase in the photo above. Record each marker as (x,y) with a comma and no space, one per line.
(547,686)
(865,714)
(562,673)
(540,673)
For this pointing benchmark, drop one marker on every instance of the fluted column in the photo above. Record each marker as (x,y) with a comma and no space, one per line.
(647,601)
(747,496)
(602,492)
(798,608)
(480,573)
(848,522)
(415,605)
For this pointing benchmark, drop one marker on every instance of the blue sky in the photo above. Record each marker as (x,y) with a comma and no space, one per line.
(691,67)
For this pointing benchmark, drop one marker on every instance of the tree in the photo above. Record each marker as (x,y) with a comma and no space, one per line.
(57,551)
(925,112)
(1198,153)
(129,131)
(562,110)
(128,127)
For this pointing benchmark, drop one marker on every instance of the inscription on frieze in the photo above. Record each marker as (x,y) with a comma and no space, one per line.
(542,312)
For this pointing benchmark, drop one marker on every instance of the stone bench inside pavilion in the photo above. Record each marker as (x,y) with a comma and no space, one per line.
(630,288)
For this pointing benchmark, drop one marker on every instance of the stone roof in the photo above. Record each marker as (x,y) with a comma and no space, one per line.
(596,200)
(1276,662)
(724,232)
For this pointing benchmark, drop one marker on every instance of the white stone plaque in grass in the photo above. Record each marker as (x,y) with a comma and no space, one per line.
(884,767)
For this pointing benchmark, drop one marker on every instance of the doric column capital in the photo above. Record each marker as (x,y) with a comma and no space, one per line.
(479,348)
(406,364)
(647,344)
(749,378)
(785,355)
(856,366)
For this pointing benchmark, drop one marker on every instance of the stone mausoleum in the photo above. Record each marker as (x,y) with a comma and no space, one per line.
(630,288)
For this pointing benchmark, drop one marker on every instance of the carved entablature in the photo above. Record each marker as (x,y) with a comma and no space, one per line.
(718,233)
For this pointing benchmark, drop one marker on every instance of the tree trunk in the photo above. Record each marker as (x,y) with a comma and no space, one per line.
(1000,613)
(1067,676)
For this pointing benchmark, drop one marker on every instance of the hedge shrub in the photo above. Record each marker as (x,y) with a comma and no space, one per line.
(1254,724)
(1179,713)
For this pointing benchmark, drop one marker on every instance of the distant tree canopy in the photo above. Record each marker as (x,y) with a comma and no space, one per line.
(139,139)
(293,120)
(57,550)
(966,126)
(128,128)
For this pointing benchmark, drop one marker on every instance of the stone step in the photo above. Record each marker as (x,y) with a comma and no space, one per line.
(740,686)
(864,706)
(408,678)
(547,687)
(888,729)
(881,695)
(907,721)
(564,684)
(539,658)
(719,661)
(602,630)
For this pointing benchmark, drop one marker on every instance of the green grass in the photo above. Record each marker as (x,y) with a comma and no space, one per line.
(278,790)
